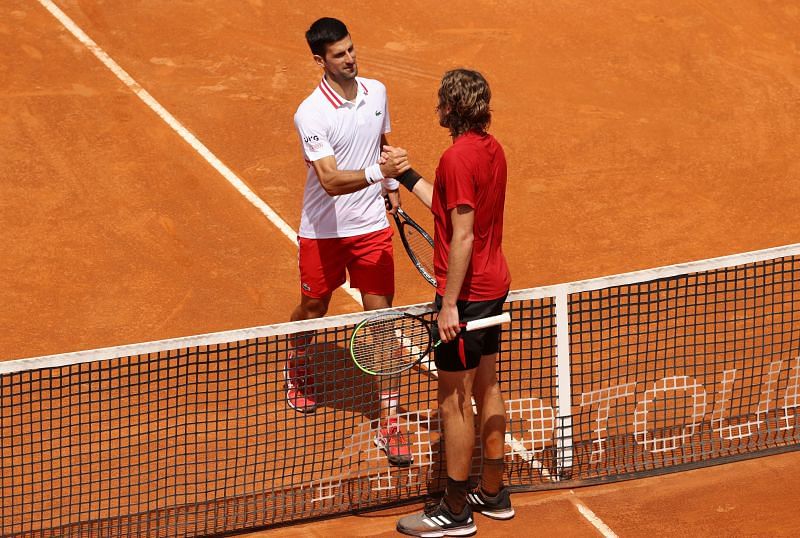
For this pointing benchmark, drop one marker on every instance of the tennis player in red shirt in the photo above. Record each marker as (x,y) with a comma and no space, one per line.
(467,200)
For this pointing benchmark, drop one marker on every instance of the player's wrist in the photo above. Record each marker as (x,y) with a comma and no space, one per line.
(409,179)
(373,174)
(390,184)
(449,303)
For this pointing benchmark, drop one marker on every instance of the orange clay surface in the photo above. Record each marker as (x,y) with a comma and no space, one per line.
(638,134)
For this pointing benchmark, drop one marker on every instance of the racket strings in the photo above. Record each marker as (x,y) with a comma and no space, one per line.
(421,247)
(390,344)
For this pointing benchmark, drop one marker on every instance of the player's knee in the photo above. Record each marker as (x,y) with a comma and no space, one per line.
(313,308)
(376,302)
(448,408)
(317,311)
(493,445)
(486,387)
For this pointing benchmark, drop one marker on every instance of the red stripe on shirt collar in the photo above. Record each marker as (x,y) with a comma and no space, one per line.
(328,92)
(331,94)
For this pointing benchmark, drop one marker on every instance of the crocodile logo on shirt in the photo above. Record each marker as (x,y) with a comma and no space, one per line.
(378,112)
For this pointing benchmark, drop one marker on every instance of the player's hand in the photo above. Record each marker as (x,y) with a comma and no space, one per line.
(448,323)
(392,199)
(395,151)
(395,161)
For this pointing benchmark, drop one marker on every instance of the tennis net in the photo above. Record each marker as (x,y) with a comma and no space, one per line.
(605,379)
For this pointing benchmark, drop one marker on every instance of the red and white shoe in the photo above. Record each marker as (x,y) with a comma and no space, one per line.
(300,388)
(395,443)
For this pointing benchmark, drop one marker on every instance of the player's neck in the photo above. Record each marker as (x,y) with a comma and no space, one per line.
(347,88)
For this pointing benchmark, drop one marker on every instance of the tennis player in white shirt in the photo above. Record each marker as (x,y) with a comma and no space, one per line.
(343,227)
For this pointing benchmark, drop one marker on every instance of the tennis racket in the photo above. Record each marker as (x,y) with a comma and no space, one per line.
(392,342)
(418,244)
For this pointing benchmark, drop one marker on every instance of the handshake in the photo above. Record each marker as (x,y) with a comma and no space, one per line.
(394,169)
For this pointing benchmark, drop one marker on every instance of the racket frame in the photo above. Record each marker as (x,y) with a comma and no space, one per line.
(422,353)
(429,328)
(402,219)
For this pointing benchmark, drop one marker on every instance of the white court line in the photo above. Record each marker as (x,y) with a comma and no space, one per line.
(591,517)
(182,131)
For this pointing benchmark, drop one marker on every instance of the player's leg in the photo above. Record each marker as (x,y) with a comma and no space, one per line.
(322,269)
(310,307)
(299,370)
(371,270)
(371,267)
(453,516)
(389,388)
(491,415)
(456,363)
(490,497)
(455,408)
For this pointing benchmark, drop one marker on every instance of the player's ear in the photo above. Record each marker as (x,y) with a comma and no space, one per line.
(319,60)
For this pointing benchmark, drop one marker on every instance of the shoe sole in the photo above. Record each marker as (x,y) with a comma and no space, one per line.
(461,531)
(495,514)
(397,461)
(478,504)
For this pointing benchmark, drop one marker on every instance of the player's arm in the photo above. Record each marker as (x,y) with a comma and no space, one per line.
(423,189)
(336,182)
(412,180)
(463,219)
(312,129)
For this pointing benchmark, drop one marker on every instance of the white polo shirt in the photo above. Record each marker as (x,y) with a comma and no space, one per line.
(328,124)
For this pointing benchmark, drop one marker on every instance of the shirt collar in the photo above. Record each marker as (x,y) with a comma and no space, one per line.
(336,100)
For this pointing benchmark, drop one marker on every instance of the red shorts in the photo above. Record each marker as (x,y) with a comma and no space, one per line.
(369,259)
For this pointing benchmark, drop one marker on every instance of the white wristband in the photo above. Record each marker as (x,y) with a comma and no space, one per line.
(390,184)
(373,173)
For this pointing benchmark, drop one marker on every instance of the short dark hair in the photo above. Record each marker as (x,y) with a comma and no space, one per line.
(464,97)
(323,32)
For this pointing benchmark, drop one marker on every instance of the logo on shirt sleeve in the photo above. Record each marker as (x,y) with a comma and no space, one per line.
(313,143)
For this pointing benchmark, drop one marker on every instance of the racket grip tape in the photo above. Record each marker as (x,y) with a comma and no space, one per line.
(491,321)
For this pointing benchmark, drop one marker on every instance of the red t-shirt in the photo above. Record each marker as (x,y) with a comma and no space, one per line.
(472,172)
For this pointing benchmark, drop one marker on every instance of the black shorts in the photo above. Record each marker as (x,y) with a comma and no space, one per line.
(464,353)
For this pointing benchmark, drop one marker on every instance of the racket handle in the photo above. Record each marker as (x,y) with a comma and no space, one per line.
(488,322)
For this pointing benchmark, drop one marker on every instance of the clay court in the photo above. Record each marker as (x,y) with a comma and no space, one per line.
(638,135)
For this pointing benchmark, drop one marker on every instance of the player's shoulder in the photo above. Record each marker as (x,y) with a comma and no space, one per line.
(472,141)
(312,108)
(453,156)
(492,146)
(372,85)
(311,103)
(463,151)
(462,145)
